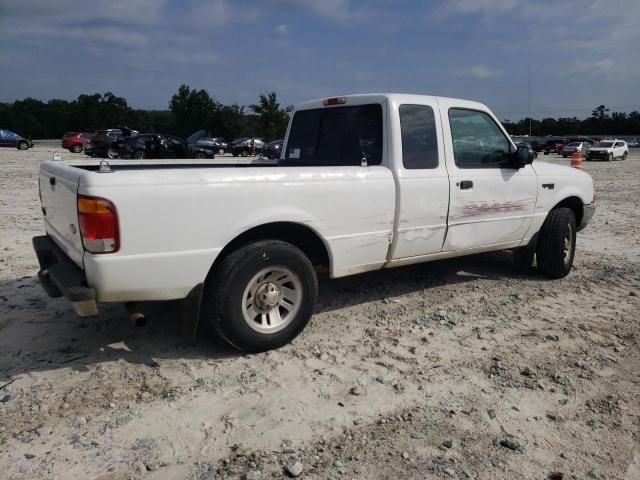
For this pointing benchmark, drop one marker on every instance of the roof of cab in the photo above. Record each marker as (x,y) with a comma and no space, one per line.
(362,98)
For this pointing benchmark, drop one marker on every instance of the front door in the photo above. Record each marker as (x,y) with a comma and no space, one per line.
(492,202)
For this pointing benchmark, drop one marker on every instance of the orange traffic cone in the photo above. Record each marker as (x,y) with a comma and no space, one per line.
(576,160)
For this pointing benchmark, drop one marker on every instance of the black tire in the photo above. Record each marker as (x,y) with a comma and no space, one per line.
(610,157)
(235,154)
(564,156)
(139,154)
(23,145)
(225,290)
(556,246)
(77,148)
(546,153)
(200,155)
(221,151)
(624,156)
(112,153)
(245,153)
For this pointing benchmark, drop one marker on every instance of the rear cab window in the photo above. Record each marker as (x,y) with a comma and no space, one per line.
(336,136)
(419,137)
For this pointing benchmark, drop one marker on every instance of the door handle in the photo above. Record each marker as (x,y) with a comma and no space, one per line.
(466,185)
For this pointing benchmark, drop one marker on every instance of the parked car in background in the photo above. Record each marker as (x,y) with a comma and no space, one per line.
(75,141)
(12,139)
(216,144)
(246,146)
(154,145)
(573,147)
(633,143)
(272,149)
(609,150)
(101,145)
(554,145)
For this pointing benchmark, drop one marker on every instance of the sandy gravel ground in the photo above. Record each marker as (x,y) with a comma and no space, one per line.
(468,368)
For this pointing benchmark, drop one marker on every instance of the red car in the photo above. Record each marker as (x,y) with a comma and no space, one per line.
(75,141)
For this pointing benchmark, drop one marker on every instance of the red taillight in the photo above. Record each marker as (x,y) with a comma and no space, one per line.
(335,101)
(98,221)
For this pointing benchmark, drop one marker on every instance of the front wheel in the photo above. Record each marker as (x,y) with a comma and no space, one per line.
(262,295)
(112,153)
(557,243)
(221,151)
(77,148)
(22,145)
(200,155)
(610,157)
(624,156)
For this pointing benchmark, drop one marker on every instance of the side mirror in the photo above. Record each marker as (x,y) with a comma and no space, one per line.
(524,156)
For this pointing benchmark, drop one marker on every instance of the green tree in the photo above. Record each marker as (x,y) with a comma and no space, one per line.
(192,109)
(273,120)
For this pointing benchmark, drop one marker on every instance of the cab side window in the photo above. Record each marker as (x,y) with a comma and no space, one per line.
(478,142)
(419,138)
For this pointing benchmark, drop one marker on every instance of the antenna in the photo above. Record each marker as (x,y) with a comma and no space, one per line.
(529,101)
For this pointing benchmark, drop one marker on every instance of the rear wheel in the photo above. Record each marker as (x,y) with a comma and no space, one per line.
(112,153)
(245,153)
(23,145)
(77,148)
(200,155)
(262,295)
(139,154)
(624,156)
(557,243)
(220,151)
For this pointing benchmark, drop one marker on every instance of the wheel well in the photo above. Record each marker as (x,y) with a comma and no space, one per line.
(575,204)
(296,234)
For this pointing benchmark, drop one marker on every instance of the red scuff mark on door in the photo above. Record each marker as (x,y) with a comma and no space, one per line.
(475,209)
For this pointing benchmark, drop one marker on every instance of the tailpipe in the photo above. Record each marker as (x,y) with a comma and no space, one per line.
(136,315)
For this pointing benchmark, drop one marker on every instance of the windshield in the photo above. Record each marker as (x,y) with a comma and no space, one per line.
(605,145)
(574,144)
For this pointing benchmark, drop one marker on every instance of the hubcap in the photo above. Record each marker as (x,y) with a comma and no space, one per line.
(272,299)
(568,240)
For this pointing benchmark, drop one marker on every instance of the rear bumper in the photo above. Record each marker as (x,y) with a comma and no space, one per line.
(60,277)
(589,211)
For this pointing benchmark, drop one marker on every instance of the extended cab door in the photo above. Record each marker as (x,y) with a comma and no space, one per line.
(423,183)
(492,202)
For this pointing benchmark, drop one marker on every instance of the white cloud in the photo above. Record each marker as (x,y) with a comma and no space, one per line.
(281,29)
(485,7)
(481,71)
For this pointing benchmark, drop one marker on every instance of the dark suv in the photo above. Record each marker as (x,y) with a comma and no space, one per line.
(102,143)
(153,145)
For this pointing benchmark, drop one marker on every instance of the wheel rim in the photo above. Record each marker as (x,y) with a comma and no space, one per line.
(139,155)
(568,245)
(271,299)
(77,148)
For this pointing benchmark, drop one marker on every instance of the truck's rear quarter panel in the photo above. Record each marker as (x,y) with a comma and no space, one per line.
(174,223)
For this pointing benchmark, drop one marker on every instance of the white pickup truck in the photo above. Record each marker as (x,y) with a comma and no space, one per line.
(364,182)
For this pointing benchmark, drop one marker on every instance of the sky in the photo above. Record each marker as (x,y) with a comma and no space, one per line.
(582,53)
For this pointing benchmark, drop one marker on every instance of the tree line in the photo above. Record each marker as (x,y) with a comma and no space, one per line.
(191,110)
(601,122)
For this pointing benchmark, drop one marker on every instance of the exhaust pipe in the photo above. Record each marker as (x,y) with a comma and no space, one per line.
(135,315)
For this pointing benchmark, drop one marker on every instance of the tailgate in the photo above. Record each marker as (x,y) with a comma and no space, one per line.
(59,189)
